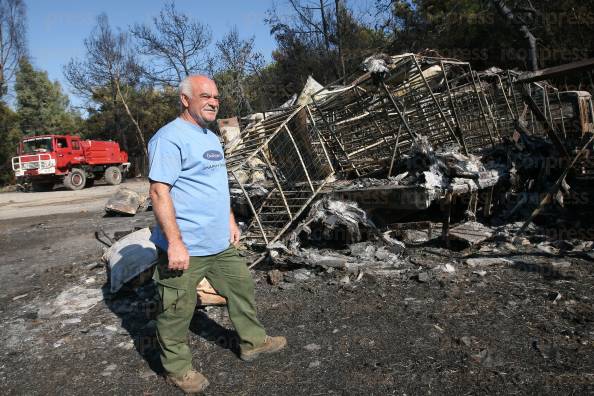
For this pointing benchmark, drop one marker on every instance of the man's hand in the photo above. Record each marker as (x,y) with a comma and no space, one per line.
(177,253)
(234,231)
(178,256)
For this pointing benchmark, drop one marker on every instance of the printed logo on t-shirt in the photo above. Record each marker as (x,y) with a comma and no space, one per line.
(213,155)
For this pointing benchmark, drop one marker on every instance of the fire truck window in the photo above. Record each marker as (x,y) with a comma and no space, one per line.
(62,143)
(75,145)
(37,145)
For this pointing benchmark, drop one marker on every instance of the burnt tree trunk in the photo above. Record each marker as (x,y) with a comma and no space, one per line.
(339,10)
(139,134)
(508,14)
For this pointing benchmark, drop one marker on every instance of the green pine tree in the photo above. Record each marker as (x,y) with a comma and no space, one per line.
(41,105)
(9,138)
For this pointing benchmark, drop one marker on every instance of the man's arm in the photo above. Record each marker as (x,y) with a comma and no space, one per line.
(234,228)
(177,253)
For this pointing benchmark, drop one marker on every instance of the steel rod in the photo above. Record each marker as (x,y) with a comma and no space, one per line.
(300,158)
(250,205)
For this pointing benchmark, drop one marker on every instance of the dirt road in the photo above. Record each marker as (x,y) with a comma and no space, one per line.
(19,205)
(42,231)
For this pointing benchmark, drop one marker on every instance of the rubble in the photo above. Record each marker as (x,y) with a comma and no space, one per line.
(487,262)
(124,202)
(423,277)
(336,235)
(330,220)
(129,257)
(342,164)
(312,347)
(274,277)
(471,232)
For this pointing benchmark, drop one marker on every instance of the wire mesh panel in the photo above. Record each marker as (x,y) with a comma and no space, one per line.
(507,104)
(414,86)
(373,120)
(462,100)
(357,129)
(284,155)
(503,101)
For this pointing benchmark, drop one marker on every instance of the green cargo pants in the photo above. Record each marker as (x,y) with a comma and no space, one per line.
(228,274)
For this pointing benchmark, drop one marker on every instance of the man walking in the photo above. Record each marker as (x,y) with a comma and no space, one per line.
(196,233)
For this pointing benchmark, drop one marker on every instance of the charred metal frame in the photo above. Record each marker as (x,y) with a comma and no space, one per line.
(367,126)
(370,124)
(538,105)
(288,151)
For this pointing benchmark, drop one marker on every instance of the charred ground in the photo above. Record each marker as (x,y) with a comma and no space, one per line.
(524,325)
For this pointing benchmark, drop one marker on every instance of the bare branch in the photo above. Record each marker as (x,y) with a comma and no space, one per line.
(109,62)
(238,58)
(175,43)
(12,39)
(507,13)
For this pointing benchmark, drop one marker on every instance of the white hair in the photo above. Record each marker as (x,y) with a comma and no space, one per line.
(185,87)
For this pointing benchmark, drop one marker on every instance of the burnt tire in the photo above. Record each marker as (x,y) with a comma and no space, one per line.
(42,186)
(75,180)
(113,175)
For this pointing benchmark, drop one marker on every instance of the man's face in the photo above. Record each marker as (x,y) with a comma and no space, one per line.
(204,103)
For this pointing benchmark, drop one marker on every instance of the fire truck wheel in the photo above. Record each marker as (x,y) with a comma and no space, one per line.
(113,175)
(42,186)
(75,180)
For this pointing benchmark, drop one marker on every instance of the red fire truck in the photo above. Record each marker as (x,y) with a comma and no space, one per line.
(45,160)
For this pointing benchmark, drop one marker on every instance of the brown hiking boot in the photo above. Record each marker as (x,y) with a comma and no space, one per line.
(270,345)
(190,382)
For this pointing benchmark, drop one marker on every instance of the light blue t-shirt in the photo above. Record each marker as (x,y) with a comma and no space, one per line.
(190,159)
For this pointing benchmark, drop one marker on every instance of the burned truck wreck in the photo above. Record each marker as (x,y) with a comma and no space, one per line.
(412,141)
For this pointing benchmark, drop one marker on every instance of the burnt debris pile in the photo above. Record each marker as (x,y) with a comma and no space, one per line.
(413,149)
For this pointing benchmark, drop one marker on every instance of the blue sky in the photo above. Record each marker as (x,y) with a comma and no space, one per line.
(57,28)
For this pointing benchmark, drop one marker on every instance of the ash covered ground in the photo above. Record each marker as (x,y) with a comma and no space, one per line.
(494,318)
